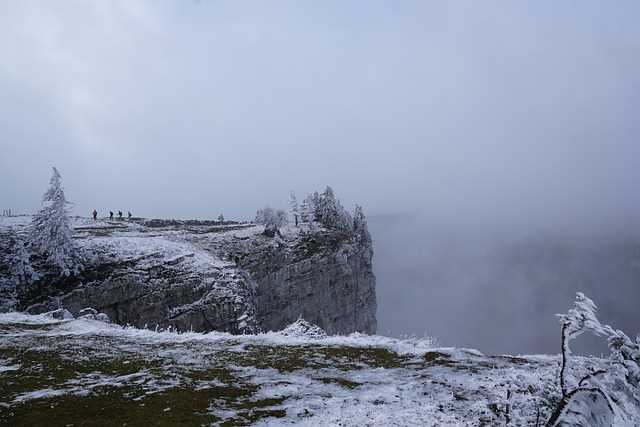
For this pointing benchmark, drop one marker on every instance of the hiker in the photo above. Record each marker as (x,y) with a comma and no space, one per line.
(95,215)
(110,215)
(120,215)
(128,215)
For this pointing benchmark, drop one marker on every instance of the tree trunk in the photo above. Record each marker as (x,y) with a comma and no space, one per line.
(563,368)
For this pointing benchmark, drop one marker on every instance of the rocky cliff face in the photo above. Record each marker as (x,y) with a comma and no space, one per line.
(323,276)
(206,277)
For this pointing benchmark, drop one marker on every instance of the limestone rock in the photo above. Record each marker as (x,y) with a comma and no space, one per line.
(192,276)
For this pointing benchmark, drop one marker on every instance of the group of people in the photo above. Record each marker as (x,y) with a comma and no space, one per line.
(120,217)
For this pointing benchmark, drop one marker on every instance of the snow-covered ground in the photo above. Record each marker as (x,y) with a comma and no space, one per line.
(66,372)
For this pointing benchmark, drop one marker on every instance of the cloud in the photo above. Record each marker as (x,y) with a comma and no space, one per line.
(486,112)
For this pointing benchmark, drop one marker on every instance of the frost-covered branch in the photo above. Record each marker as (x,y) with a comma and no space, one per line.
(579,319)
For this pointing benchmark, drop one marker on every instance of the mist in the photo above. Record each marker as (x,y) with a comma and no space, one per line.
(481,128)
(499,291)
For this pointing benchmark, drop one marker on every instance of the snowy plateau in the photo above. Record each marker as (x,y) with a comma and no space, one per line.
(196,323)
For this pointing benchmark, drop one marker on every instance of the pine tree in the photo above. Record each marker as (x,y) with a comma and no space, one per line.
(280,218)
(360,227)
(22,272)
(51,231)
(331,214)
(314,206)
(294,212)
(306,211)
(259,216)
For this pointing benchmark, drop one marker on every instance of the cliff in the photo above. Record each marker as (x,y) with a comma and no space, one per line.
(203,276)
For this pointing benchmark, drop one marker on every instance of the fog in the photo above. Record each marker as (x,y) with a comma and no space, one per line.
(505,121)
(499,291)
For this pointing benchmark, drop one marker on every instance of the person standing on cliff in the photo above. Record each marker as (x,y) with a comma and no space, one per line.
(95,215)
(129,215)
(110,214)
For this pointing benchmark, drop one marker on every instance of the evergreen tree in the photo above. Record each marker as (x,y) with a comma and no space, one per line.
(22,272)
(259,216)
(306,211)
(51,231)
(360,227)
(331,214)
(314,206)
(280,218)
(294,212)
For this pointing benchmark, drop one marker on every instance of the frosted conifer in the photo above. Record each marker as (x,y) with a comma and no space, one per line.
(360,227)
(20,266)
(294,212)
(51,231)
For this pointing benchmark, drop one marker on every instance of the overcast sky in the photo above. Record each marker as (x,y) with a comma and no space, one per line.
(502,111)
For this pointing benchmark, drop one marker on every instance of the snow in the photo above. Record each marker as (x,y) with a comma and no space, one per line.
(302,328)
(84,326)
(9,368)
(343,380)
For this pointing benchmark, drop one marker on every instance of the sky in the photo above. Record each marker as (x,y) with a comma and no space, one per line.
(512,113)
(474,126)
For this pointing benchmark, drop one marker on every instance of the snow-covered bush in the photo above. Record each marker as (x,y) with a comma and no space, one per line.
(625,352)
(272,220)
(271,217)
(303,329)
(60,314)
(92,314)
(51,231)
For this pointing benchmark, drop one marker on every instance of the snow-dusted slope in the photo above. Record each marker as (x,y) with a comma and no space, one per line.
(70,372)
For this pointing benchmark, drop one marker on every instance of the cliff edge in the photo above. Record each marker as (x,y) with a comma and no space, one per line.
(203,276)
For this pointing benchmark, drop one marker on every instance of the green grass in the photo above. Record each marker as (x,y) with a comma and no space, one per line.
(195,391)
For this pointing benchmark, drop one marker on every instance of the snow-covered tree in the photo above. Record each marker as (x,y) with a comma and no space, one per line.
(306,211)
(314,203)
(294,212)
(22,272)
(259,219)
(270,216)
(271,219)
(16,271)
(330,212)
(51,231)
(579,319)
(280,218)
(326,207)
(360,227)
